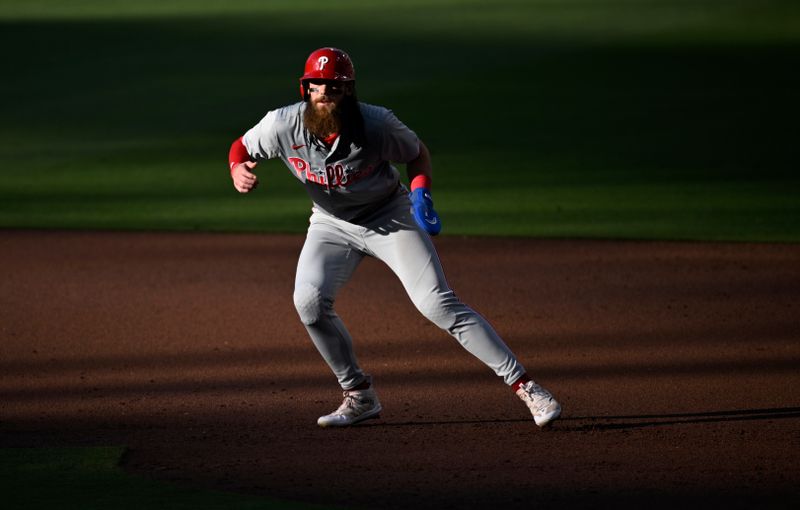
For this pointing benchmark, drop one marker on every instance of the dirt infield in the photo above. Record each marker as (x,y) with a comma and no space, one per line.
(677,364)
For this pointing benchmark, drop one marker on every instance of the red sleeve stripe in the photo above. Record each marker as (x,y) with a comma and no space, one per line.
(238,153)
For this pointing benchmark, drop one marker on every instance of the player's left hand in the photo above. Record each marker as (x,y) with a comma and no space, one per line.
(244,178)
(422,208)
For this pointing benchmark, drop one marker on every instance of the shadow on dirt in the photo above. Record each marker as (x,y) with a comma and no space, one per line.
(656,420)
(592,423)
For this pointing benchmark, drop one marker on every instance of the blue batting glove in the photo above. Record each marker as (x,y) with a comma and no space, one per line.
(424,215)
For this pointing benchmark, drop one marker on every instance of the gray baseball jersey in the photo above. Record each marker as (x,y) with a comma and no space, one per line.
(345,180)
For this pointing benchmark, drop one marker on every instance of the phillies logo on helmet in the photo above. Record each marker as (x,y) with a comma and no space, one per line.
(327,64)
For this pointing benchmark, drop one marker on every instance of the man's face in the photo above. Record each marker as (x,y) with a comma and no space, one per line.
(328,105)
(326,95)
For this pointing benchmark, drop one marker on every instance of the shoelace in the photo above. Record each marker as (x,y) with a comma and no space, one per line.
(350,402)
(536,395)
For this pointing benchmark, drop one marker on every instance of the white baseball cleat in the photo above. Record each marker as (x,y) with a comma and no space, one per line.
(358,405)
(543,406)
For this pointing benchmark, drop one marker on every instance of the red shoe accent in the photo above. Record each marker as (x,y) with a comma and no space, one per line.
(363,386)
(523,379)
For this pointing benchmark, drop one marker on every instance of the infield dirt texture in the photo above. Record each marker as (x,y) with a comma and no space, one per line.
(676,365)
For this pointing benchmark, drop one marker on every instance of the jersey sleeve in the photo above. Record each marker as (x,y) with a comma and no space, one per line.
(400,144)
(262,139)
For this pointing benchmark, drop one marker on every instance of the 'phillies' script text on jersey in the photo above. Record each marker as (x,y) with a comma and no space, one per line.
(334,176)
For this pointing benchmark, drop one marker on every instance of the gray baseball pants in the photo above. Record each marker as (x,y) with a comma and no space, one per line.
(332,251)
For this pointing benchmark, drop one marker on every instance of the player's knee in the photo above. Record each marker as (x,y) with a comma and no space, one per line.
(440,309)
(309,303)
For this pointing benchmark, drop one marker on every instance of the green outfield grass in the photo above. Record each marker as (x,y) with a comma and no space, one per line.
(91,479)
(655,119)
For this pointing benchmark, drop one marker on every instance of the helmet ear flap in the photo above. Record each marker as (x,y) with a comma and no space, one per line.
(303,90)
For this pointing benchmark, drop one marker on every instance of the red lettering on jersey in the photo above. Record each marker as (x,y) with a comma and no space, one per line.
(300,166)
(303,169)
(360,175)
(336,175)
(340,178)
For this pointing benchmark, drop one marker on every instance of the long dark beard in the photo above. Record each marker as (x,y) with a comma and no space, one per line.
(322,122)
(345,119)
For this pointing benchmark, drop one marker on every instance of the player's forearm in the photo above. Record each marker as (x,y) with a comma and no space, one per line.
(237,154)
(420,171)
(242,167)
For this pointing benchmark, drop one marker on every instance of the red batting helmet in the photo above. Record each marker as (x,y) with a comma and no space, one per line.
(327,64)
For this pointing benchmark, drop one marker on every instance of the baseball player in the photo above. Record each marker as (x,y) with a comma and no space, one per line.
(342,151)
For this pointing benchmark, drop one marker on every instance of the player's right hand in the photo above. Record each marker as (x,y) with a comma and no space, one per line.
(244,180)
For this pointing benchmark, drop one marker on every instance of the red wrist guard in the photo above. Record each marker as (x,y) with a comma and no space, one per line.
(421,181)
(238,153)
